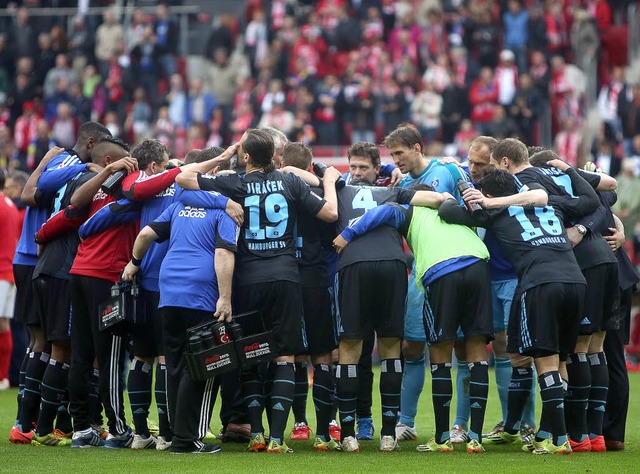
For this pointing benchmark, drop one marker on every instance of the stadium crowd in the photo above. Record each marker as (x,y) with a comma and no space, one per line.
(250,227)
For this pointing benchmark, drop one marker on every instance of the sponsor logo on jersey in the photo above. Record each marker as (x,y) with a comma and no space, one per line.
(193,212)
(170,191)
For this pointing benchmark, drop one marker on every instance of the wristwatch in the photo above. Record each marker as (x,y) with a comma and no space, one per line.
(582,229)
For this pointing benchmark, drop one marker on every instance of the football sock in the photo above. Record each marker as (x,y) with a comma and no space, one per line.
(529,413)
(347,376)
(442,391)
(299,406)
(21,382)
(462,395)
(412,384)
(281,399)
(64,422)
(139,389)
(161,400)
(253,398)
(31,399)
(577,397)
(599,392)
(552,423)
(503,379)
(519,390)
(334,408)
(323,394)
(390,383)
(54,385)
(478,393)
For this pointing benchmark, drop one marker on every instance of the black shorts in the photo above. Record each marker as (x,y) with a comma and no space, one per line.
(318,321)
(602,300)
(54,306)
(460,299)
(545,319)
(146,337)
(26,309)
(280,303)
(371,295)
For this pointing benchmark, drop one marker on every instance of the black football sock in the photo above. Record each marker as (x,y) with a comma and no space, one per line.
(139,390)
(267,378)
(552,423)
(334,408)
(519,390)
(347,394)
(478,393)
(281,399)
(161,401)
(441,393)
(32,388)
(253,398)
(390,384)
(599,392)
(64,422)
(323,394)
(54,384)
(302,389)
(21,382)
(577,397)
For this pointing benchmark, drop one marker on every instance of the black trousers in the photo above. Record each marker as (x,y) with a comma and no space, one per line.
(615,416)
(189,401)
(88,343)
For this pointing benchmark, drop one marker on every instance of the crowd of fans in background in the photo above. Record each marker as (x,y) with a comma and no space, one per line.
(326,72)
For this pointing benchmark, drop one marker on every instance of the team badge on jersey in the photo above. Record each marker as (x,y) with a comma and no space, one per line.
(435,183)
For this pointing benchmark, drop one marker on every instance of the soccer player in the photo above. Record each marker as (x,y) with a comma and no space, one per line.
(200,240)
(406,148)
(268,277)
(311,237)
(51,287)
(96,267)
(53,172)
(586,365)
(545,319)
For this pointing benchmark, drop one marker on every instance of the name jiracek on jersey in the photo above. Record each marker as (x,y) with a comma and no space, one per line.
(264,188)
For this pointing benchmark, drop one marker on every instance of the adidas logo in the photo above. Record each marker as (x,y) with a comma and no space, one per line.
(475,405)
(585,321)
(139,411)
(278,406)
(389,413)
(448,404)
(560,405)
(347,419)
(254,404)
(600,408)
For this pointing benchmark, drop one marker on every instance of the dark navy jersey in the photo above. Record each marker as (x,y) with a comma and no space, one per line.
(382,243)
(56,173)
(272,201)
(57,256)
(561,187)
(534,240)
(187,273)
(313,238)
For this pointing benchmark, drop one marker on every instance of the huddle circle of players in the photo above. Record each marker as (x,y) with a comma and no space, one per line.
(519,250)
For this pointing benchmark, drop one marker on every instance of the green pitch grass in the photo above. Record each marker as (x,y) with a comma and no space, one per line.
(497,459)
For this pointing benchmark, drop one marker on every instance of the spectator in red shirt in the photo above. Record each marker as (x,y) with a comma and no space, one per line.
(483,96)
(9,234)
(25,131)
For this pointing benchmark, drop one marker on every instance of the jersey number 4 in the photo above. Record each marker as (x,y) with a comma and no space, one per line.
(363,200)
(546,217)
(276,213)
